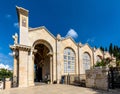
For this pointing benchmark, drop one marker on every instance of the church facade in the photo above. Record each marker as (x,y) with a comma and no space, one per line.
(39,54)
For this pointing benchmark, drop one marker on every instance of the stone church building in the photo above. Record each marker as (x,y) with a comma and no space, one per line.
(40,54)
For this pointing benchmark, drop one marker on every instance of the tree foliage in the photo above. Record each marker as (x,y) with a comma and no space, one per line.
(114,50)
(111,48)
(4,73)
(102,48)
(103,62)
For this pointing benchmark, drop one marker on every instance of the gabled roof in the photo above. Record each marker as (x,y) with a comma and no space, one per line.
(99,50)
(69,37)
(42,27)
(87,45)
(105,53)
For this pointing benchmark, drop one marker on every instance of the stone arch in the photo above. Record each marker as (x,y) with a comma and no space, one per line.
(86,61)
(71,49)
(88,54)
(43,60)
(41,41)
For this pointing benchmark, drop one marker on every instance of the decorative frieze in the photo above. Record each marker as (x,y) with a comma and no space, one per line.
(20,47)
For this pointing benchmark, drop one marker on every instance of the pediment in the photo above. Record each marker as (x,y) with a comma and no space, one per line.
(43,29)
(99,52)
(107,55)
(87,45)
(69,39)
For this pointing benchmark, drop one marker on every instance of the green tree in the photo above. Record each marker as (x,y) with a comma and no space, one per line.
(4,73)
(111,49)
(104,62)
(102,48)
(106,49)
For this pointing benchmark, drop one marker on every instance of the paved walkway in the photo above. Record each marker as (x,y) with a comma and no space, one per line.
(56,89)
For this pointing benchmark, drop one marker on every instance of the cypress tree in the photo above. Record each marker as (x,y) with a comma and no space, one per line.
(105,49)
(102,48)
(111,49)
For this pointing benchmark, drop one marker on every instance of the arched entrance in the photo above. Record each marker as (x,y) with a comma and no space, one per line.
(43,62)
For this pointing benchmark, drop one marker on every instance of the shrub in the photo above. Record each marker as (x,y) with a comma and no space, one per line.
(102,63)
(4,73)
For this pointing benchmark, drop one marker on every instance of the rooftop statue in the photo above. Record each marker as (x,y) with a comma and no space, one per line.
(15,37)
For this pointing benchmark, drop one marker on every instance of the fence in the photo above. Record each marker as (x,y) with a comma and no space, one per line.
(73,79)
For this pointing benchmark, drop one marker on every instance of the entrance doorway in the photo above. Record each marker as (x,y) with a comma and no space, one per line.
(41,63)
(38,73)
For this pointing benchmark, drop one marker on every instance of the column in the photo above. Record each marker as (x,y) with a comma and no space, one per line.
(31,70)
(15,67)
(15,72)
(58,55)
(23,68)
(51,69)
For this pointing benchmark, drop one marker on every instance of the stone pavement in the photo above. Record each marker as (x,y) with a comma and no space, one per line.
(56,89)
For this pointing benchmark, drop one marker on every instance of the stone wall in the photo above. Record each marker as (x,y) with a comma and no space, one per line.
(97,78)
(7,83)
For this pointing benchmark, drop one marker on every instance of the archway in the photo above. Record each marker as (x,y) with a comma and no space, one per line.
(42,62)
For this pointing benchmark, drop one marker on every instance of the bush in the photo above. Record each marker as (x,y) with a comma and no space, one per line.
(102,63)
(4,73)
(118,63)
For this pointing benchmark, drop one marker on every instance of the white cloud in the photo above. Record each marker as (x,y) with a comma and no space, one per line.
(6,61)
(8,16)
(16,25)
(90,40)
(11,54)
(72,33)
(5,66)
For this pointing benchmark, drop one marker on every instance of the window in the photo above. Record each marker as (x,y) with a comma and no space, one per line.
(86,61)
(69,61)
(98,58)
(23,21)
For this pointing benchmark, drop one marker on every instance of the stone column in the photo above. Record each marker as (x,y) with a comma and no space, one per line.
(15,67)
(51,69)
(15,70)
(31,70)
(24,65)
(23,68)
(58,57)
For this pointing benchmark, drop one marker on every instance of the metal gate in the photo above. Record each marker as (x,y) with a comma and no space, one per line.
(114,77)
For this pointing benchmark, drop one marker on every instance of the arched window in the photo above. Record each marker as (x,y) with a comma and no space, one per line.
(86,61)
(69,61)
(98,58)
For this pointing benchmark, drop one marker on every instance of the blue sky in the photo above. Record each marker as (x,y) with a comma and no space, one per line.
(94,21)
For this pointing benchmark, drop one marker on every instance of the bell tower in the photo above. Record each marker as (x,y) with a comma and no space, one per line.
(25,70)
(23,25)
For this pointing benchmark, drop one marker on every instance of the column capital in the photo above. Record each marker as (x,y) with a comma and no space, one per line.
(34,51)
(50,54)
(20,47)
